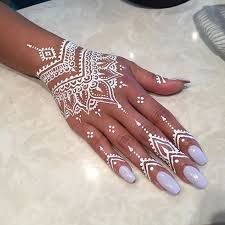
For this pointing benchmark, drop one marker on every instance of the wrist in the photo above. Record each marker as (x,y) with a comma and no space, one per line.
(42,54)
(59,62)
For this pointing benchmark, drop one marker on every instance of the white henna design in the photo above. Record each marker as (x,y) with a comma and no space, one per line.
(163,148)
(121,67)
(160,79)
(121,84)
(111,159)
(45,53)
(122,109)
(111,128)
(146,164)
(178,135)
(90,134)
(78,117)
(95,83)
(140,100)
(64,64)
(97,112)
(91,78)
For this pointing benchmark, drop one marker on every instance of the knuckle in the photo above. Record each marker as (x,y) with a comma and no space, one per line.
(124,140)
(98,140)
(159,112)
(142,133)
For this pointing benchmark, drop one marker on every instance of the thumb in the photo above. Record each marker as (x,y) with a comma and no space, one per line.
(156,83)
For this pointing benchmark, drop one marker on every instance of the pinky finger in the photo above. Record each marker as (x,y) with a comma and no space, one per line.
(104,149)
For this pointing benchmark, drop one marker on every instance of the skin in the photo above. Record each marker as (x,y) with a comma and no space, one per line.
(139,82)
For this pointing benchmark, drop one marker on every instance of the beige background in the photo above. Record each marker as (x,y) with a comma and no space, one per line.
(49,176)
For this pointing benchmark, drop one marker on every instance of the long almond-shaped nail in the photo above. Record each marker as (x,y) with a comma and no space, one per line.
(195,177)
(182,80)
(127,174)
(197,155)
(168,183)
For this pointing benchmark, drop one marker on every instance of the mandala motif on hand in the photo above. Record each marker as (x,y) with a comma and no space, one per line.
(89,80)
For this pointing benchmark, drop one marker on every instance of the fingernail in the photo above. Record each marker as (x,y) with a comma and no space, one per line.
(127,174)
(197,155)
(182,80)
(195,177)
(187,85)
(185,81)
(168,183)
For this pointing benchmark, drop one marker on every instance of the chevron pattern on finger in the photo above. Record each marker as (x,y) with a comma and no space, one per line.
(180,136)
(165,150)
(147,165)
(113,159)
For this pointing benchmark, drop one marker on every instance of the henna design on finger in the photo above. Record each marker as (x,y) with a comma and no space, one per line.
(178,135)
(160,79)
(140,100)
(146,164)
(122,170)
(121,108)
(111,128)
(111,159)
(163,148)
(90,134)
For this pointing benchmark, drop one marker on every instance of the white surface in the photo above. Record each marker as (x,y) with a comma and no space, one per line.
(49,176)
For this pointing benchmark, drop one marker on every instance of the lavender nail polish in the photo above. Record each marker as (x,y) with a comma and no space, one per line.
(127,174)
(195,177)
(197,155)
(168,183)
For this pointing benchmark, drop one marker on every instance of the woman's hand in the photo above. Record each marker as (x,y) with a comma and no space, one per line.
(104,98)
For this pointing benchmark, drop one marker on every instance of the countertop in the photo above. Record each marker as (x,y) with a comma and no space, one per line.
(45,176)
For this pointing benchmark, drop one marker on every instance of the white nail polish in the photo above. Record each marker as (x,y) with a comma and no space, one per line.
(127,174)
(197,155)
(168,183)
(195,177)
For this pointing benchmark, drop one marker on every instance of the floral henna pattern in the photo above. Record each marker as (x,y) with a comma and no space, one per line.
(163,148)
(64,64)
(90,78)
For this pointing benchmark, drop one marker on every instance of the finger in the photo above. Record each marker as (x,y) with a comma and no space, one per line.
(104,149)
(133,151)
(149,135)
(168,124)
(156,83)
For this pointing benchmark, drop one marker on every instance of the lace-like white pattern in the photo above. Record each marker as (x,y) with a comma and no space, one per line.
(64,64)
(90,80)
(95,82)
